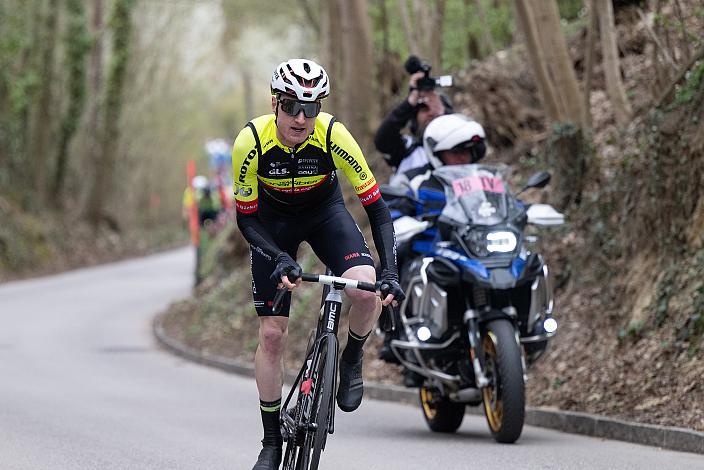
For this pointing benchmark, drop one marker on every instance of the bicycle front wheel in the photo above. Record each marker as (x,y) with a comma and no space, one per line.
(307,424)
(323,398)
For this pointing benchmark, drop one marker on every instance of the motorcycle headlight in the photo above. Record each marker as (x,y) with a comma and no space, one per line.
(483,243)
(501,242)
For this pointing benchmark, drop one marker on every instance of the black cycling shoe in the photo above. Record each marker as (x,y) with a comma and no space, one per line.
(269,458)
(351,389)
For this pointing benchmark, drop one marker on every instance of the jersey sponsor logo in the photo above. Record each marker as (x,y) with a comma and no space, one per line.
(362,176)
(352,255)
(308,167)
(243,190)
(308,172)
(370,195)
(247,207)
(279,171)
(365,185)
(245,165)
(346,157)
(307,160)
(367,255)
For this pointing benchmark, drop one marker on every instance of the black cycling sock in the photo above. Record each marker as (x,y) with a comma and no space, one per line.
(353,351)
(271,410)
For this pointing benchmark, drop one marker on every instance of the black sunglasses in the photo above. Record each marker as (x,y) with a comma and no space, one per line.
(293,107)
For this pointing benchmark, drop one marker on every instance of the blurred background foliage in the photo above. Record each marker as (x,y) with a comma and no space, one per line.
(102,102)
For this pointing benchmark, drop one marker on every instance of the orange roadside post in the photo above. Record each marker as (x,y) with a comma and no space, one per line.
(193,209)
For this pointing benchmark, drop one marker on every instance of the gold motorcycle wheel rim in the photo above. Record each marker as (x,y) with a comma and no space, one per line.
(493,405)
(426,398)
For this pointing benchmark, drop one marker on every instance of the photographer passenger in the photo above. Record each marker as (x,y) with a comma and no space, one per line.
(423,104)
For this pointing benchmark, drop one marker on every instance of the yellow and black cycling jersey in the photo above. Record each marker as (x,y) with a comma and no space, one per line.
(296,179)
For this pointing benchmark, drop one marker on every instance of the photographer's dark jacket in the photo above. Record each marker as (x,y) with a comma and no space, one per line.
(391,142)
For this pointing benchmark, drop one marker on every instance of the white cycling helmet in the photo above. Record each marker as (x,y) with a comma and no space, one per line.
(301,78)
(453,131)
(200,182)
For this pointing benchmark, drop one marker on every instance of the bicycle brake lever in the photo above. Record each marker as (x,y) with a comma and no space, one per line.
(278,300)
(387,320)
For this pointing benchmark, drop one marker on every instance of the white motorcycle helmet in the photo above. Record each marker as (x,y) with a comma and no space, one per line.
(301,78)
(453,131)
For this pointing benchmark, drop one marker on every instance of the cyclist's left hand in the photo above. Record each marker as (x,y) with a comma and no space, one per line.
(392,289)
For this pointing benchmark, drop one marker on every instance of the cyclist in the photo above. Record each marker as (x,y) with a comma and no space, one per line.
(287,191)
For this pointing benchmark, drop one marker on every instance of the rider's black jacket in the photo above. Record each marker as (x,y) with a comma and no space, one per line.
(388,138)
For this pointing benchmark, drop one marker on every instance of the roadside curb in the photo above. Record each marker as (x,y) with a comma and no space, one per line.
(666,437)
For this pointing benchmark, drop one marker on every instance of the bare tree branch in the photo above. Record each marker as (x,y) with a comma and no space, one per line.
(407,27)
(312,16)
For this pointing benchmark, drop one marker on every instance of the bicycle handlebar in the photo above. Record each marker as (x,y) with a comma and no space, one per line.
(333,281)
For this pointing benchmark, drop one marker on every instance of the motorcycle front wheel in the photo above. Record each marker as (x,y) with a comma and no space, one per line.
(504,397)
(441,414)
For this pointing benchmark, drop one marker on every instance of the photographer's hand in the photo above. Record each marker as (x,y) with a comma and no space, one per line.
(413,93)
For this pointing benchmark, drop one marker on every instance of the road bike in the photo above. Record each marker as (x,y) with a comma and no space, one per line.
(306,425)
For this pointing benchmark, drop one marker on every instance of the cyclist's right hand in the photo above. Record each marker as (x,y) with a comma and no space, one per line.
(286,271)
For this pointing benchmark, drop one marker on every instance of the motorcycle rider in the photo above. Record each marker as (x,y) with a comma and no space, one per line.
(451,139)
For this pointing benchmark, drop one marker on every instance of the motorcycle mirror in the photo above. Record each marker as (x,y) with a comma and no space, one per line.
(537,180)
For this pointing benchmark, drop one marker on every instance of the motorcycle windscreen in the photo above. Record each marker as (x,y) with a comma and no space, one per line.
(476,194)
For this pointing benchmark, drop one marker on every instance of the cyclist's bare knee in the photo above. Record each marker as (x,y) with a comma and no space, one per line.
(272,334)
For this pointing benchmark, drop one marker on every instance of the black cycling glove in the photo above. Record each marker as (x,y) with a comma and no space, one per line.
(390,285)
(284,265)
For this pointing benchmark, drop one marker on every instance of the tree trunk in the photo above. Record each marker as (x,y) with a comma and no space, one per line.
(592,30)
(77,46)
(567,150)
(435,24)
(332,59)
(612,69)
(525,19)
(357,62)
(43,123)
(121,25)
(408,28)
(94,126)
(558,61)
(489,46)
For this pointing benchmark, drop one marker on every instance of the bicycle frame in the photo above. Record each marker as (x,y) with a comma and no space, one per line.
(300,428)
(328,325)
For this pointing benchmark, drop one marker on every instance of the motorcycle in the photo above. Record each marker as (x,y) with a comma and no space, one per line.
(479,305)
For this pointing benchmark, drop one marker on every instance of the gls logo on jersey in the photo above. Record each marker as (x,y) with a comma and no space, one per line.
(279,171)
(245,165)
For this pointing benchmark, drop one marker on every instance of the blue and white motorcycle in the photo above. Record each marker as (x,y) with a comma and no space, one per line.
(479,305)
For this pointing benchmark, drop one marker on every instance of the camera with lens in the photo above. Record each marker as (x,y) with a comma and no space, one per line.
(426,83)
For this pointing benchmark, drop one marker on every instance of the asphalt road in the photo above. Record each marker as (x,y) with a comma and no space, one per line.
(84,386)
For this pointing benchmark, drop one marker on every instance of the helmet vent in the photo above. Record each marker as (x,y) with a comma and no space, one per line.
(306,67)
